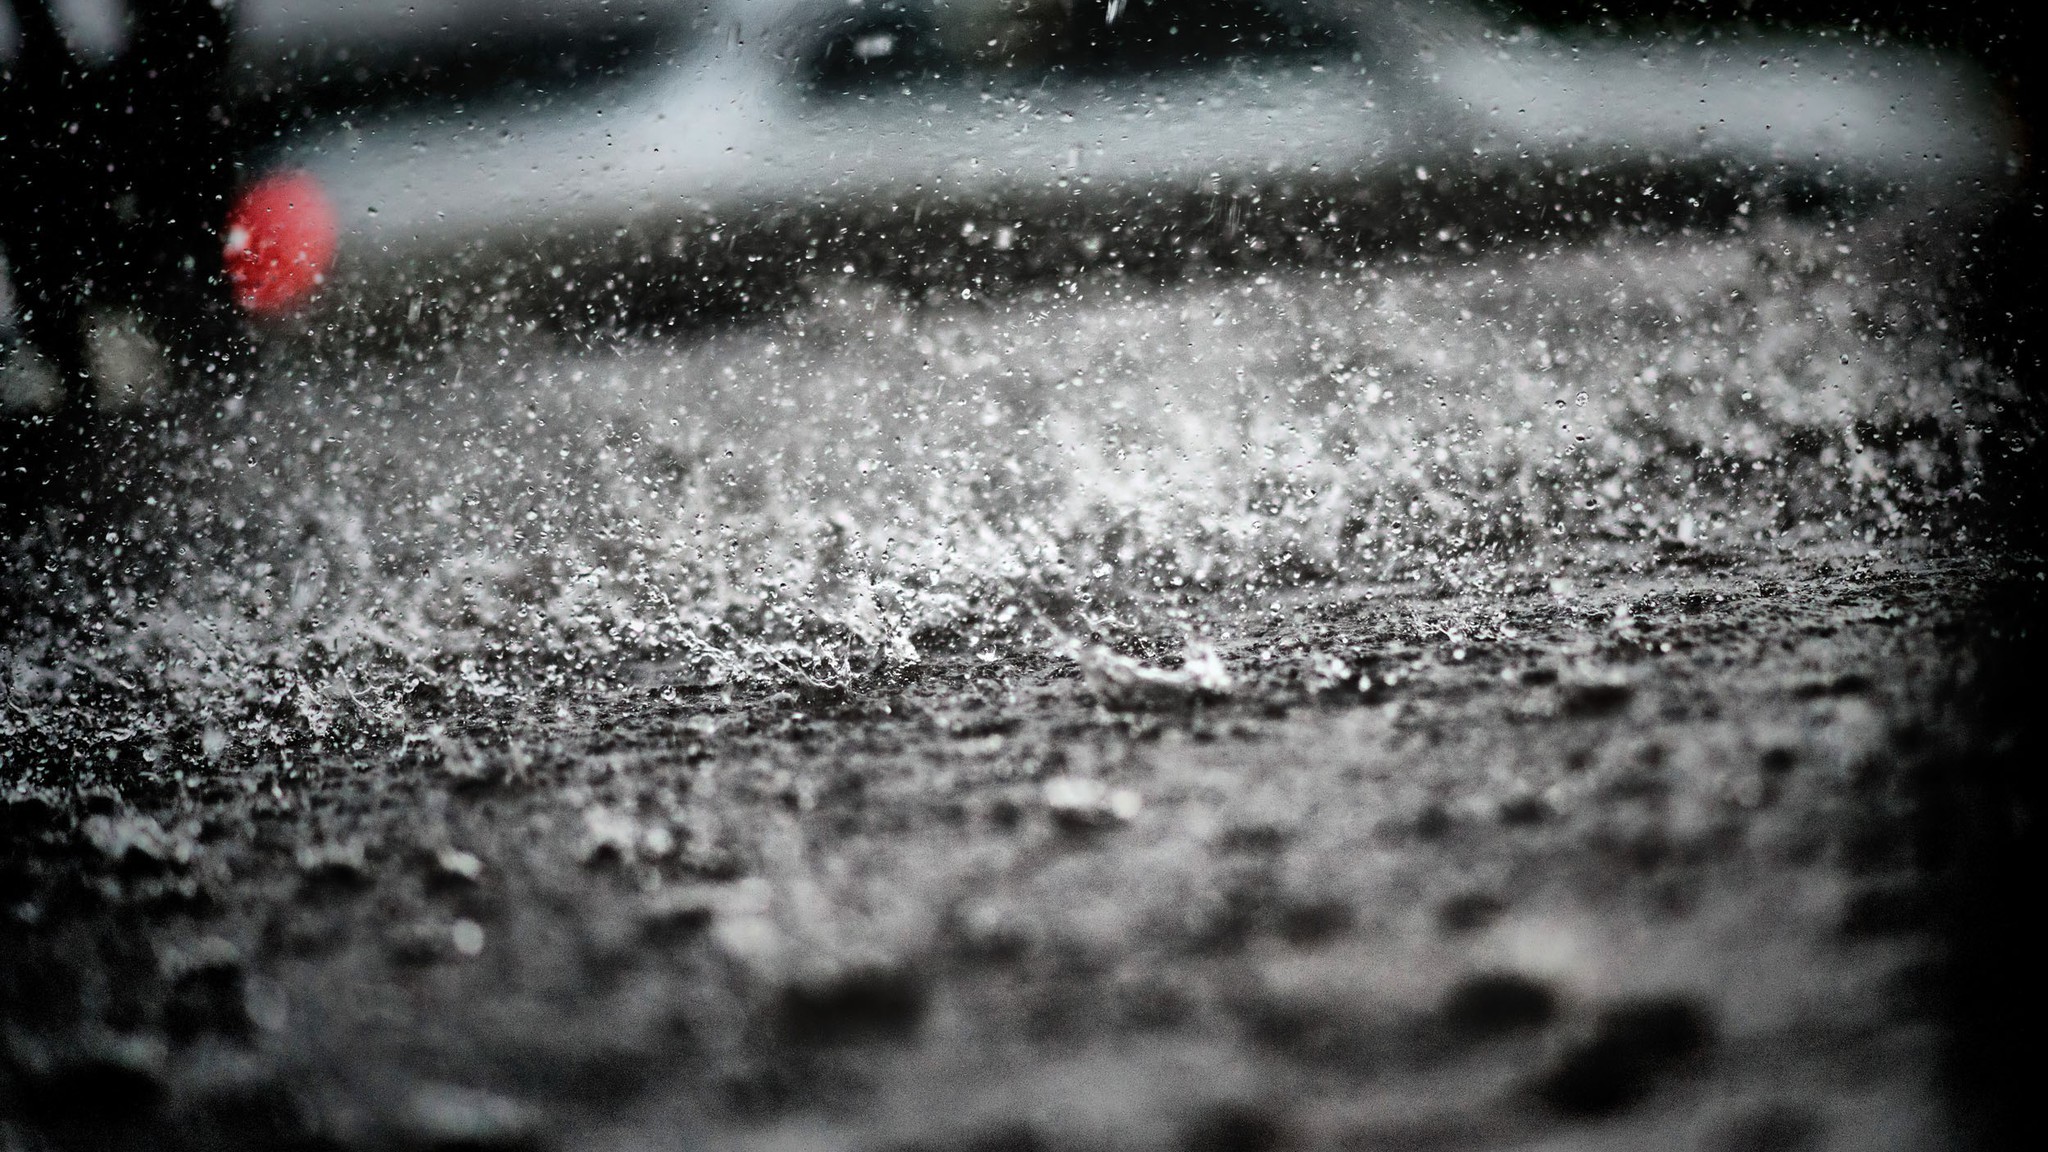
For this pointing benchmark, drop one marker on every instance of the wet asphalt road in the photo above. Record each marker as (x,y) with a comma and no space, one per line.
(1530,699)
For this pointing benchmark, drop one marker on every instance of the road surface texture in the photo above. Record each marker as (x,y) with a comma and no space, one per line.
(1542,698)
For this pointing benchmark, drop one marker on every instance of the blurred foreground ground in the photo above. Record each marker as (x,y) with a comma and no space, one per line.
(1543,698)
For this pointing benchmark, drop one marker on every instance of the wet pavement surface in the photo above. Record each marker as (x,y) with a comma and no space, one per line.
(1534,698)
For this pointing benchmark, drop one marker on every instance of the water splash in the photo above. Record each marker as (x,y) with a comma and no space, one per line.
(483,536)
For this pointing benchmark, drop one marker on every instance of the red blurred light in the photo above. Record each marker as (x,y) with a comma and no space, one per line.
(280,241)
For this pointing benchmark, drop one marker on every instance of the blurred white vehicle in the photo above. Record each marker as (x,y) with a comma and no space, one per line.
(961,139)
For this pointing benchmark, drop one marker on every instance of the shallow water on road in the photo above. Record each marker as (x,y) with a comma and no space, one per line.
(481,536)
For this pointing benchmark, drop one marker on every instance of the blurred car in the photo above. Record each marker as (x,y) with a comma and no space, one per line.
(661,159)
(956,140)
